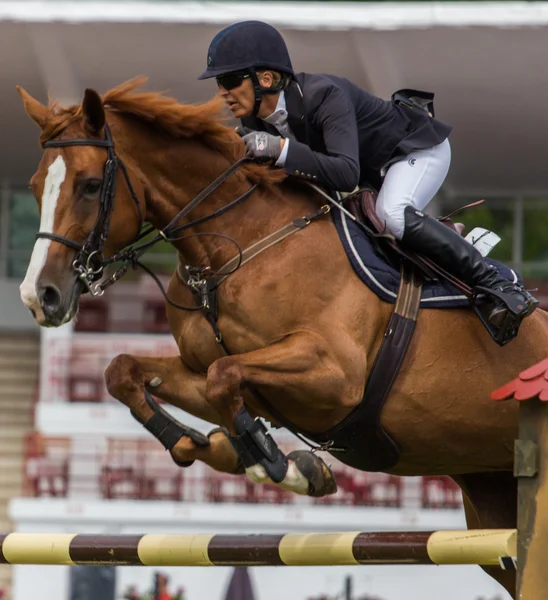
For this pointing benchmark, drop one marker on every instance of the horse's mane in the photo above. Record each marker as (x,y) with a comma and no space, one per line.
(172,117)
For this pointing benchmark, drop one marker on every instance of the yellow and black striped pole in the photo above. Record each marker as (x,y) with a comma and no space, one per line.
(477,547)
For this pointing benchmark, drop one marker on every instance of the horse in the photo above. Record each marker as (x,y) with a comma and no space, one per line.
(301,328)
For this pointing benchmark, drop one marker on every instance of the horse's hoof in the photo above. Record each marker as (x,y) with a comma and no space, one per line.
(320,477)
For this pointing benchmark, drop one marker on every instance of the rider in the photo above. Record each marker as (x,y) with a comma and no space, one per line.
(326,129)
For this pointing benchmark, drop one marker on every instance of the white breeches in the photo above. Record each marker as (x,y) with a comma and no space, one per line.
(412,181)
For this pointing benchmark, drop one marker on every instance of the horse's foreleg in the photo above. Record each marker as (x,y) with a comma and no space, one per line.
(129,379)
(300,363)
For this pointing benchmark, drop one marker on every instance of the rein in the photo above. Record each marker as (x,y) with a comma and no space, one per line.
(90,263)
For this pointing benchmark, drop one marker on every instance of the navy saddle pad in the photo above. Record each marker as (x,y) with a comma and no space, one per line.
(384,280)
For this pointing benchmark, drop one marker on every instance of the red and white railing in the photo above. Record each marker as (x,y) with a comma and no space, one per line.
(141,469)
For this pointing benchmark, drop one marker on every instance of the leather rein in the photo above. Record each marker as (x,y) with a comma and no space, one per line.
(89,263)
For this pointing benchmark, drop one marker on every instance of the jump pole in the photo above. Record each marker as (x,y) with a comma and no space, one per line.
(471,547)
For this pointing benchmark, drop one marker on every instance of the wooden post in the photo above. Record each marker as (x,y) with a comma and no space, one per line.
(531,468)
(530,389)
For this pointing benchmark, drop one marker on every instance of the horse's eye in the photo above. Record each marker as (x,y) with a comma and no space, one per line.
(91,187)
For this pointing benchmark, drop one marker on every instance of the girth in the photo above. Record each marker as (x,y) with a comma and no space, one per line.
(359,441)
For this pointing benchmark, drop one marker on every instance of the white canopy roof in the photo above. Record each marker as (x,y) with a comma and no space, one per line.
(486,62)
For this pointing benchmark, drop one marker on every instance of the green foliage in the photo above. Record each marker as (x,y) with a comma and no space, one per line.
(498,218)
(161,257)
(24,220)
(535,248)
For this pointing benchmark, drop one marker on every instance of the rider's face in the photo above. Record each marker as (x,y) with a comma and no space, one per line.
(237,91)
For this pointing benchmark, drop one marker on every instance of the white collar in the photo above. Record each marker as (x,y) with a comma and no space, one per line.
(280,112)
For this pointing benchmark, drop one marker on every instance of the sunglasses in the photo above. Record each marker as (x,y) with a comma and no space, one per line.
(231,80)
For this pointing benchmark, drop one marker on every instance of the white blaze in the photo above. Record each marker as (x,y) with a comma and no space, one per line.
(52,187)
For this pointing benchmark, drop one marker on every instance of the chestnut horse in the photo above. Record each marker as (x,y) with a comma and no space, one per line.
(302,328)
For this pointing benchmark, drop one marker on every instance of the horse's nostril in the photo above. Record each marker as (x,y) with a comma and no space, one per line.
(51,299)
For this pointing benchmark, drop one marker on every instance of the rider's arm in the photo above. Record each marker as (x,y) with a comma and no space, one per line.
(338,168)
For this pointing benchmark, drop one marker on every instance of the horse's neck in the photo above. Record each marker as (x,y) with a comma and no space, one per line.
(176,170)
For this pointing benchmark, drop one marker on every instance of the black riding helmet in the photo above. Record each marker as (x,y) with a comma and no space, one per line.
(247,47)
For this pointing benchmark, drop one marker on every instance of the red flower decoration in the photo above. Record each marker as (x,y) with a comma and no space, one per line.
(531,383)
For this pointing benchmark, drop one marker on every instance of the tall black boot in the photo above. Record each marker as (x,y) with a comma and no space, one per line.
(453,253)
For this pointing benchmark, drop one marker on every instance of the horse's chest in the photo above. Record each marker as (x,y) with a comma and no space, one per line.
(199,347)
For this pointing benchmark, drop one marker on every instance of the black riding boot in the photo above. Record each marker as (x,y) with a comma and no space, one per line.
(451,252)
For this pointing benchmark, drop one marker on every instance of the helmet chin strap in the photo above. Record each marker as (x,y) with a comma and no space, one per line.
(258,92)
(261,91)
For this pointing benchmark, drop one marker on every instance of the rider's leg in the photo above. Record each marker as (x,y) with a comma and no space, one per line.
(408,187)
(413,181)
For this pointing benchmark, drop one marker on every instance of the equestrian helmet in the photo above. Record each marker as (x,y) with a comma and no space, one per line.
(247,45)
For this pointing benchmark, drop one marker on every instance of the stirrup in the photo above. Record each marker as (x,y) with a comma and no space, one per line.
(507,331)
(517,308)
(516,311)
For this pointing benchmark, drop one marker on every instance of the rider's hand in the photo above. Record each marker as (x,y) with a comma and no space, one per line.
(263,145)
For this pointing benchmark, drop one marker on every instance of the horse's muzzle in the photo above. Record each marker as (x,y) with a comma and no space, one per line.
(58,308)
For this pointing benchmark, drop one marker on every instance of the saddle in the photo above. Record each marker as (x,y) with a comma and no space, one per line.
(361,205)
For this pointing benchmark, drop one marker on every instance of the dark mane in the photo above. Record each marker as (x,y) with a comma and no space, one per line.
(169,115)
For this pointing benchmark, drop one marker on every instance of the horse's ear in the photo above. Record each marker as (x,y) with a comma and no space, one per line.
(94,112)
(35,110)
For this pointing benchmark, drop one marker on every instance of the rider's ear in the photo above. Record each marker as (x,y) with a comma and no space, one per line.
(94,112)
(35,110)
(265,79)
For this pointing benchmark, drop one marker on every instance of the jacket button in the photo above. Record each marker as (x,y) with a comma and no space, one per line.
(296,173)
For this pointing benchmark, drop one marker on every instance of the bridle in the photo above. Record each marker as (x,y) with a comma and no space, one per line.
(90,263)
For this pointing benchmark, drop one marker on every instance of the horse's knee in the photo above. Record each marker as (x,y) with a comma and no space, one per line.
(224,388)
(123,375)
(224,378)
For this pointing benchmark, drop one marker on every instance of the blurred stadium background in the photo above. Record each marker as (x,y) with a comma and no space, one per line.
(72,458)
